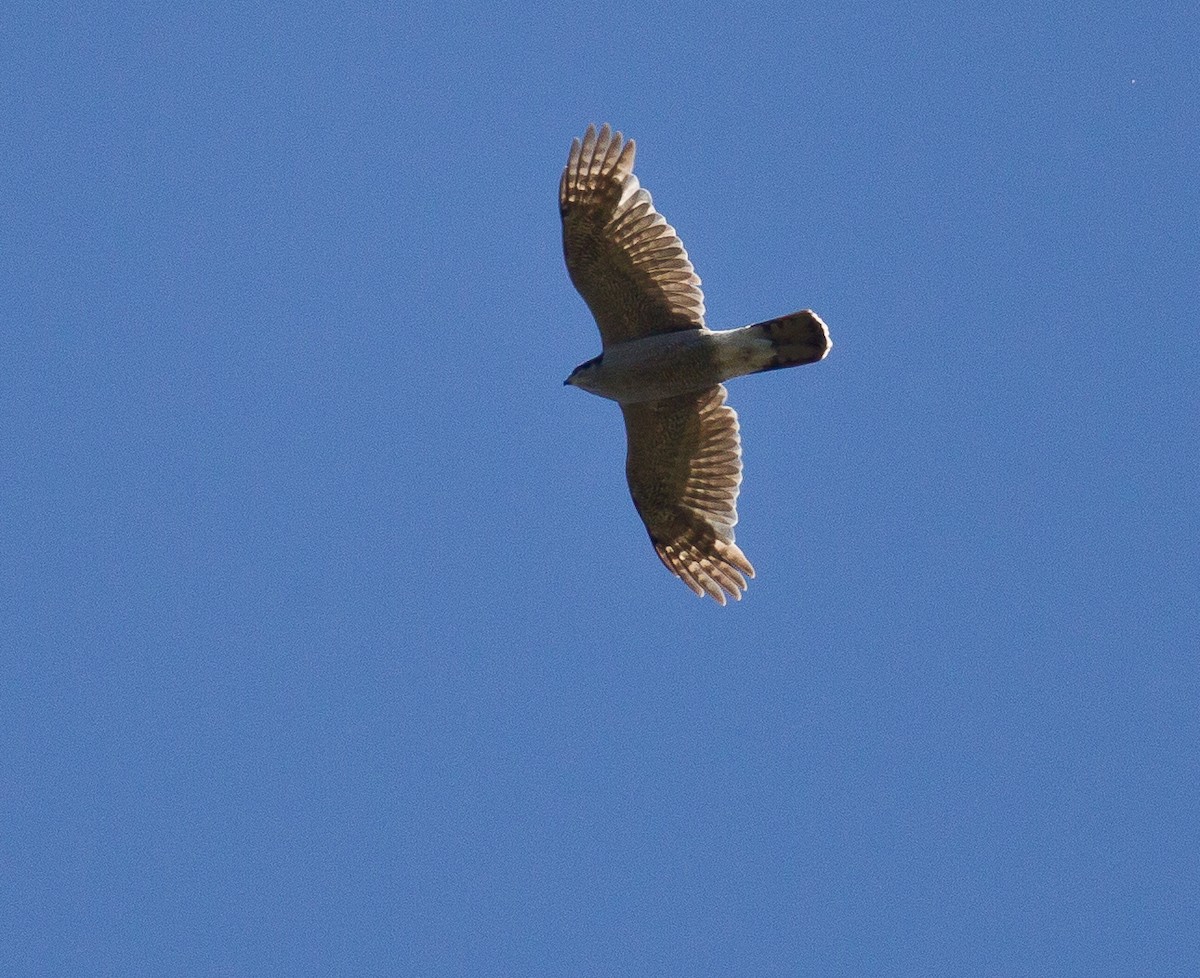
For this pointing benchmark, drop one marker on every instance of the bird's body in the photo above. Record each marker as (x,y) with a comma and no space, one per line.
(664,366)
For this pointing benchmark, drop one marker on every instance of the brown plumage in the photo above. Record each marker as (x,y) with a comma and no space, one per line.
(623,257)
(684,467)
(664,366)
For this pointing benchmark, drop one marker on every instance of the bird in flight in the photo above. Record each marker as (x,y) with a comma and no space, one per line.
(664,366)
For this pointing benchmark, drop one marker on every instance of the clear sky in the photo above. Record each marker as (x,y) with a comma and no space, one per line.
(332,643)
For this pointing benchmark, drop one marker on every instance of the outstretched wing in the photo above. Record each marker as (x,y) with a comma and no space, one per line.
(623,257)
(684,466)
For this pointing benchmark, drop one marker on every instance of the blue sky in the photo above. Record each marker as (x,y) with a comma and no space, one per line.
(332,641)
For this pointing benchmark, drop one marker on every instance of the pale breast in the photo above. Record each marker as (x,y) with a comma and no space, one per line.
(658,366)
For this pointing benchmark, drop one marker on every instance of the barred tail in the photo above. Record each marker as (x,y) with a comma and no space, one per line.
(795,339)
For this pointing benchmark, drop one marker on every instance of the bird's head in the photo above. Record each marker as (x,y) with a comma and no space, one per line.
(583,376)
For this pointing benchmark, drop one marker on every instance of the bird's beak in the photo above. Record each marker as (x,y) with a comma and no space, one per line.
(567,382)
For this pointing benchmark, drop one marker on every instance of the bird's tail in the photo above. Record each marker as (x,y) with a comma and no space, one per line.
(794,339)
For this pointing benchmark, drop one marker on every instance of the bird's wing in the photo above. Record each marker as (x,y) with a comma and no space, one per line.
(684,466)
(624,258)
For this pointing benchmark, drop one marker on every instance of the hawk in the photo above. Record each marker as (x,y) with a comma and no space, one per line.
(664,366)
